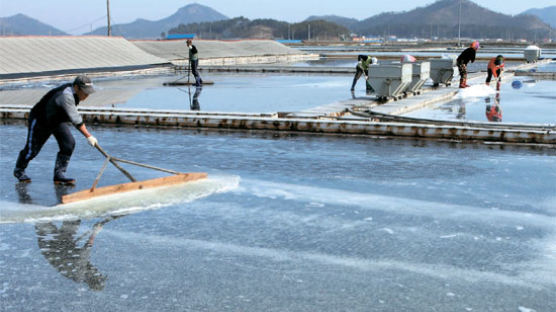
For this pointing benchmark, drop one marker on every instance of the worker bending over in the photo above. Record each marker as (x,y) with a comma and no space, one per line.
(362,67)
(52,115)
(494,69)
(468,55)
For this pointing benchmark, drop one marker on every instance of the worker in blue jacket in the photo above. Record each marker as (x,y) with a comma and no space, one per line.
(53,115)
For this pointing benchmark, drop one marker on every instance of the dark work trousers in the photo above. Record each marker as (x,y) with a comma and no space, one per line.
(462,73)
(38,134)
(194,64)
(358,74)
(489,75)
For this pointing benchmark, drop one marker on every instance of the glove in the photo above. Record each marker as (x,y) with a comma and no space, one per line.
(92,141)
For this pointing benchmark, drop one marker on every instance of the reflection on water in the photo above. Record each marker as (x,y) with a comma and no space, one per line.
(60,246)
(525,101)
(493,110)
(194,104)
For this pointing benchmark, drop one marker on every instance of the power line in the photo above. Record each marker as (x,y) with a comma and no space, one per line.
(84,25)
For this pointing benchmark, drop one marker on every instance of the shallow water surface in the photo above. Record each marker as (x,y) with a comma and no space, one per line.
(532,101)
(257,93)
(284,223)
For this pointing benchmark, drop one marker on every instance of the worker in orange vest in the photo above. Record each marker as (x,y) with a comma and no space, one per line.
(494,69)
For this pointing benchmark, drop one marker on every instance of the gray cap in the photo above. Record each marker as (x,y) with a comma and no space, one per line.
(84,83)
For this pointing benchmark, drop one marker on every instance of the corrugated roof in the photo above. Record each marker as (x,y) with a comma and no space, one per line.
(20,55)
(176,49)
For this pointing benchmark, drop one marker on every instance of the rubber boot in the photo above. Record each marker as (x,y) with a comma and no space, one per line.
(465,83)
(62,162)
(369,89)
(19,173)
(19,170)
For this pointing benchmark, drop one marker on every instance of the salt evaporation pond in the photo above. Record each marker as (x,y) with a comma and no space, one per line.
(528,101)
(285,222)
(257,93)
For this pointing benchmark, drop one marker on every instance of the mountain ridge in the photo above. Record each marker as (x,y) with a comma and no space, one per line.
(547,14)
(146,29)
(23,25)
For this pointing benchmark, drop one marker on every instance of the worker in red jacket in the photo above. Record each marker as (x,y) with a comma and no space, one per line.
(468,55)
(494,69)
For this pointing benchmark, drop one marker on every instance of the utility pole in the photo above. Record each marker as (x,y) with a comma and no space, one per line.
(108,15)
(289,31)
(308,32)
(459,25)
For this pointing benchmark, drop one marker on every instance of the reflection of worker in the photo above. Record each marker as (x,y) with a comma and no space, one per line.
(52,116)
(194,105)
(362,67)
(494,69)
(408,59)
(194,62)
(461,110)
(21,189)
(59,247)
(468,55)
(494,111)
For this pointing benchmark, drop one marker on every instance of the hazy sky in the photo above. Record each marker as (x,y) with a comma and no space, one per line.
(79,16)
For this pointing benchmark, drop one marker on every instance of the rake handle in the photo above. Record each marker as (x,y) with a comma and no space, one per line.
(127,174)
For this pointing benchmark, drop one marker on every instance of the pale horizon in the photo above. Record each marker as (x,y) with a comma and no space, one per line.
(73,18)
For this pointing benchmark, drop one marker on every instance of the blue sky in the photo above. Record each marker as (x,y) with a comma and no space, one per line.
(79,16)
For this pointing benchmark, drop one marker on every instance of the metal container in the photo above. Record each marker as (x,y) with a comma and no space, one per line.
(390,81)
(442,70)
(421,72)
(532,54)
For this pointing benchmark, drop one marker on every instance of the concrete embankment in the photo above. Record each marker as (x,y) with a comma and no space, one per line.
(283,122)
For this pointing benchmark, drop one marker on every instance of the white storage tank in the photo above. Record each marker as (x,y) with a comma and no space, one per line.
(532,54)
(390,81)
(442,70)
(421,72)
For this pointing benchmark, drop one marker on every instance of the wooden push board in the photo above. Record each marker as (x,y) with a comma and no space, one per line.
(186,83)
(133,186)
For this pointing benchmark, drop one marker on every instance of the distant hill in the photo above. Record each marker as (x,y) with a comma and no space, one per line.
(241,27)
(340,20)
(22,25)
(145,29)
(440,19)
(547,15)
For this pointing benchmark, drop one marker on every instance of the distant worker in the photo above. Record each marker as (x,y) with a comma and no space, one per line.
(194,62)
(468,55)
(494,69)
(362,67)
(52,115)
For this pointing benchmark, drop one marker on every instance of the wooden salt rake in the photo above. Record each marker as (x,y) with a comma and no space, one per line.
(94,191)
